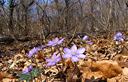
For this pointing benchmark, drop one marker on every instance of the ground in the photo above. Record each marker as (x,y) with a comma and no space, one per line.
(105,61)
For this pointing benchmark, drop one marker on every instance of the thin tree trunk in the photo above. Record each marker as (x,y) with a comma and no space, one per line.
(10,23)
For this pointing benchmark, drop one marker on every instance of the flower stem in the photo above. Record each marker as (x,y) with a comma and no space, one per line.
(61,56)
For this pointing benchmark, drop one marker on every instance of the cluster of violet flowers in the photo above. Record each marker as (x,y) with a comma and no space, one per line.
(119,37)
(74,53)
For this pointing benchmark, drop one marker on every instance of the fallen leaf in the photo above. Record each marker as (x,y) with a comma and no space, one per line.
(104,68)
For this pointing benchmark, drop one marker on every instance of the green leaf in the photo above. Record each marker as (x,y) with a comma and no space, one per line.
(29,76)
(35,72)
(26,77)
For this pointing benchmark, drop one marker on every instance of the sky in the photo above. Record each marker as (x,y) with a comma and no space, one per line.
(39,1)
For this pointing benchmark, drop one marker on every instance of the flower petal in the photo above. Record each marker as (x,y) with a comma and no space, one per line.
(81,56)
(54,55)
(25,71)
(85,37)
(58,56)
(119,34)
(66,55)
(81,50)
(50,64)
(89,42)
(55,40)
(29,55)
(74,59)
(60,41)
(57,59)
(74,48)
(33,51)
(67,50)
(48,60)
(50,43)
(30,68)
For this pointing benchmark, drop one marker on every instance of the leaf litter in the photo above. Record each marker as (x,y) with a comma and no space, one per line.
(103,60)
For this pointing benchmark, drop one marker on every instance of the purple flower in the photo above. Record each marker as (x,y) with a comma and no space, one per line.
(89,42)
(53,60)
(33,51)
(119,36)
(85,37)
(55,42)
(74,53)
(27,70)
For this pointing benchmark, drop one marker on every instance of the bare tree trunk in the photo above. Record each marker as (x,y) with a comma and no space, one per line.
(26,22)
(26,5)
(91,17)
(10,23)
(67,2)
(1,4)
(45,21)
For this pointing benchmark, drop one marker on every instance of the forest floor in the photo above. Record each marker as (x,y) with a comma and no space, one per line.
(104,60)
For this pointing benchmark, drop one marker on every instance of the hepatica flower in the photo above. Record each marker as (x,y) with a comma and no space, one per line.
(53,60)
(55,42)
(27,70)
(85,37)
(74,54)
(33,51)
(89,42)
(119,36)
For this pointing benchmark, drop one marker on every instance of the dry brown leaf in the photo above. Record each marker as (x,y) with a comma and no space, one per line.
(111,80)
(105,68)
(68,63)
(123,64)
(120,78)
(4,75)
(108,68)
(124,77)
(40,56)
(1,76)
(89,75)
(9,80)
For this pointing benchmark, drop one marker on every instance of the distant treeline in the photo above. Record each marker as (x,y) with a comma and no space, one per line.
(41,17)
